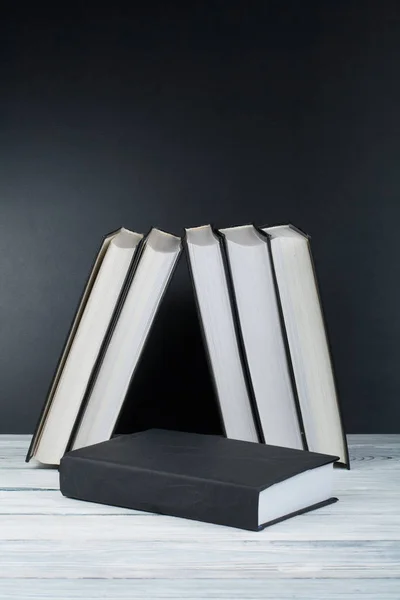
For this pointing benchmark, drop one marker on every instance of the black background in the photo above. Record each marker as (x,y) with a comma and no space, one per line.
(177,116)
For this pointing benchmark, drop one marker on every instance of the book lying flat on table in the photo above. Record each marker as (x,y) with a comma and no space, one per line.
(204,477)
(110,327)
(263,328)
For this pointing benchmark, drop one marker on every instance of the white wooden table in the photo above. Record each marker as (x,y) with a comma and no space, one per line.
(54,547)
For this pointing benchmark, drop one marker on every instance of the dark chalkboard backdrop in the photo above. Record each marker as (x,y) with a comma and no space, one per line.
(172,116)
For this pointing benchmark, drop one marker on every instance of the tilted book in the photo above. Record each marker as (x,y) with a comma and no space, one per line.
(111,326)
(259,314)
(221,334)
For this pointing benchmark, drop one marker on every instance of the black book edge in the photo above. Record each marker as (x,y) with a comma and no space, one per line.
(285,339)
(247,378)
(299,230)
(110,331)
(345,464)
(87,288)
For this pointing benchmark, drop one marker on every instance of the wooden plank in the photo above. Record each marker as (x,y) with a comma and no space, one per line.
(373,439)
(372,476)
(353,438)
(51,502)
(200,589)
(148,527)
(29,479)
(15,439)
(171,560)
(192,559)
(362,456)
(13,452)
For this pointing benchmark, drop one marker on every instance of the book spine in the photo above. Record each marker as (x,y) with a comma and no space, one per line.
(159,492)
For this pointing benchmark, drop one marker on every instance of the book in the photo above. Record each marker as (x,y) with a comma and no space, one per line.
(204,477)
(255,294)
(220,332)
(128,268)
(81,348)
(126,339)
(308,341)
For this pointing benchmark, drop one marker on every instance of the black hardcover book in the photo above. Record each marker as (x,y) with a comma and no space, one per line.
(203,477)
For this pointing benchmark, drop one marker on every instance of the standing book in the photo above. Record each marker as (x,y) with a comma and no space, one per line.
(255,295)
(218,319)
(308,341)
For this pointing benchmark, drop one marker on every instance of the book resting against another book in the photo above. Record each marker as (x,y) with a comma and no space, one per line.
(265,336)
(219,326)
(308,341)
(110,327)
(254,291)
(204,477)
(263,329)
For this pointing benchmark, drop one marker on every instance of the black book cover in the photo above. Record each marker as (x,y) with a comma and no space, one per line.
(204,477)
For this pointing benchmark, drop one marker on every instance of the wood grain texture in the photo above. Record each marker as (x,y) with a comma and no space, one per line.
(197,589)
(54,547)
